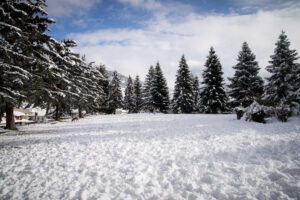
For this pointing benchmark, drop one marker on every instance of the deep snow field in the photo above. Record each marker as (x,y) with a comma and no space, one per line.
(152,156)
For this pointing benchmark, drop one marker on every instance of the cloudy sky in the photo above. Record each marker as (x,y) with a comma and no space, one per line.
(130,35)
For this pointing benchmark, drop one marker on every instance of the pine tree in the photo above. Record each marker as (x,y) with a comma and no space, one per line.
(160,91)
(69,83)
(76,83)
(93,89)
(129,103)
(246,85)
(61,82)
(214,99)
(183,101)
(104,83)
(196,93)
(281,86)
(138,97)
(115,93)
(148,102)
(23,49)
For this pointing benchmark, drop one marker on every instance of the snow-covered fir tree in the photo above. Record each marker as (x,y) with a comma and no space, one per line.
(104,83)
(280,84)
(60,81)
(129,103)
(94,95)
(74,85)
(183,101)
(281,87)
(148,102)
(196,93)
(246,85)
(160,91)
(138,96)
(213,95)
(115,97)
(22,50)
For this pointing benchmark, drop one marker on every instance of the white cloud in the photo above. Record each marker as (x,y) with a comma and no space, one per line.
(255,2)
(146,4)
(63,8)
(132,51)
(159,8)
(254,5)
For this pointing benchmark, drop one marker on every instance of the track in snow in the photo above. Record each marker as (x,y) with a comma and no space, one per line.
(152,156)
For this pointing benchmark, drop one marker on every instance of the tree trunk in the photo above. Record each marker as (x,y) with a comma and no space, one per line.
(80,112)
(2,111)
(58,112)
(10,118)
(47,111)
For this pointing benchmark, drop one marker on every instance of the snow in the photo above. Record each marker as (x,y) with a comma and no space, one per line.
(14,28)
(152,156)
(39,111)
(17,113)
(121,111)
(26,121)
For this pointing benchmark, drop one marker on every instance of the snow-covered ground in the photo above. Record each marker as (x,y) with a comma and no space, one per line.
(152,156)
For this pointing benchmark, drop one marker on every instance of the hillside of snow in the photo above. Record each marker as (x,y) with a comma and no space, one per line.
(152,156)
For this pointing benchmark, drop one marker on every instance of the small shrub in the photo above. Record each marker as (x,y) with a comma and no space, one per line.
(239,113)
(255,112)
(283,112)
(258,116)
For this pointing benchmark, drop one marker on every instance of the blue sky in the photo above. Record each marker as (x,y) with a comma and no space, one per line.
(103,14)
(131,35)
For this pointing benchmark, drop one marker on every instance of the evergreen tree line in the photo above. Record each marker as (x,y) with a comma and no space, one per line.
(152,96)
(37,70)
(246,93)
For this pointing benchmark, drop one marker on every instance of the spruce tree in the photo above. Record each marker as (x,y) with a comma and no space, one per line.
(69,83)
(138,97)
(213,96)
(129,103)
(77,83)
(196,93)
(148,102)
(183,101)
(246,85)
(94,94)
(23,50)
(104,83)
(61,83)
(115,97)
(160,91)
(281,87)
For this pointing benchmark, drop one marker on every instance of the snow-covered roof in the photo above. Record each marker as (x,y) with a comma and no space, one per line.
(17,113)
